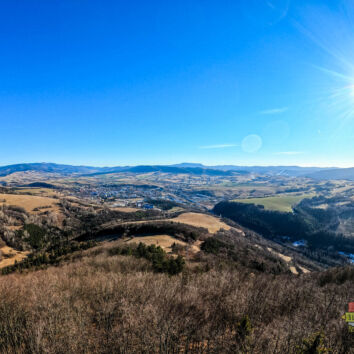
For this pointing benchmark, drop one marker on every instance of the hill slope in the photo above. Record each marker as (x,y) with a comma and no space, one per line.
(47,168)
(338,173)
(186,168)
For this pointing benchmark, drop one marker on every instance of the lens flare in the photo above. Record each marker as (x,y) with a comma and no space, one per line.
(332,32)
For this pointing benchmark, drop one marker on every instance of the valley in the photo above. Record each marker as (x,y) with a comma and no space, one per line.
(266,234)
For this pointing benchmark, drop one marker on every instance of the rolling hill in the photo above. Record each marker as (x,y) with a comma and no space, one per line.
(186,168)
(46,167)
(337,173)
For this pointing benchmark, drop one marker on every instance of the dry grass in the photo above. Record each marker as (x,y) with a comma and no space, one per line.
(209,222)
(29,202)
(293,270)
(24,177)
(280,255)
(125,209)
(164,241)
(42,192)
(212,223)
(9,256)
(288,259)
(303,269)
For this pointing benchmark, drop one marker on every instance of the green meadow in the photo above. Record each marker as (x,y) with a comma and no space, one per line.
(278,203)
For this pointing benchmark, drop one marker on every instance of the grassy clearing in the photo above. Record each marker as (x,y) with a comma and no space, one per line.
(29,202)
(278,203)
(164,241)
(125,209)
(41,192)
(9,255)
(212,223)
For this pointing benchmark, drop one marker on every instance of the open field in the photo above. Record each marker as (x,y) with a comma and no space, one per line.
(125,209)
(164,241)
(278,203)
(29,202)
(212,223)
(9,255)
(41,192)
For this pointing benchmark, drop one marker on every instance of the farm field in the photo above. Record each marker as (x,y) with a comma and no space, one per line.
(278,203)
(212,223)
(29,202)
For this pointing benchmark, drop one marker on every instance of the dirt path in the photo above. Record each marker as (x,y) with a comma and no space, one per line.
(287,259)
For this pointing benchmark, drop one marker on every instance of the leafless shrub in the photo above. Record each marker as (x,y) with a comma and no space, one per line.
(105,304)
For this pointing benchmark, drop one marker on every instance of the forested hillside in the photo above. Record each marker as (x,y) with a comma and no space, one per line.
(315,226)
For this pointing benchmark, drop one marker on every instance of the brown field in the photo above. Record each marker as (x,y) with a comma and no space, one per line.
(176,209)
(212,223)
(125,209)
(24,177)
(9,255)
(42,192)
(293,270)
(29,202)
(164,241)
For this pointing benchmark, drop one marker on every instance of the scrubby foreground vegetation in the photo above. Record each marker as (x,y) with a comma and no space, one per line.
(105,302)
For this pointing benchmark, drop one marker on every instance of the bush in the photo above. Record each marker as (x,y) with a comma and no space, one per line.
(213,245)
(161,263)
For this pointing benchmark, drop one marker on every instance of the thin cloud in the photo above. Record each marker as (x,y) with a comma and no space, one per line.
(289,153)
(270,5)
(220,146)
(274,111)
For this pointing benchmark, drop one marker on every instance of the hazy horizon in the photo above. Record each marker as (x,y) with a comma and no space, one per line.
(170,164)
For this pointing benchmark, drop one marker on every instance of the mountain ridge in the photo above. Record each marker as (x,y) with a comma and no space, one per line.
(185,167)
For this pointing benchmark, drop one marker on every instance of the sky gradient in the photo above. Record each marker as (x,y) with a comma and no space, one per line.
(157,82)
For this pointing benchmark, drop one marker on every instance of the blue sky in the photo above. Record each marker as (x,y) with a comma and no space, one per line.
(157,82)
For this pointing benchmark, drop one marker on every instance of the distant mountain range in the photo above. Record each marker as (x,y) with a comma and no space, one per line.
(186,168)
(264,170)
(46,167)
(337,173)
(92,171)
(165,169)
